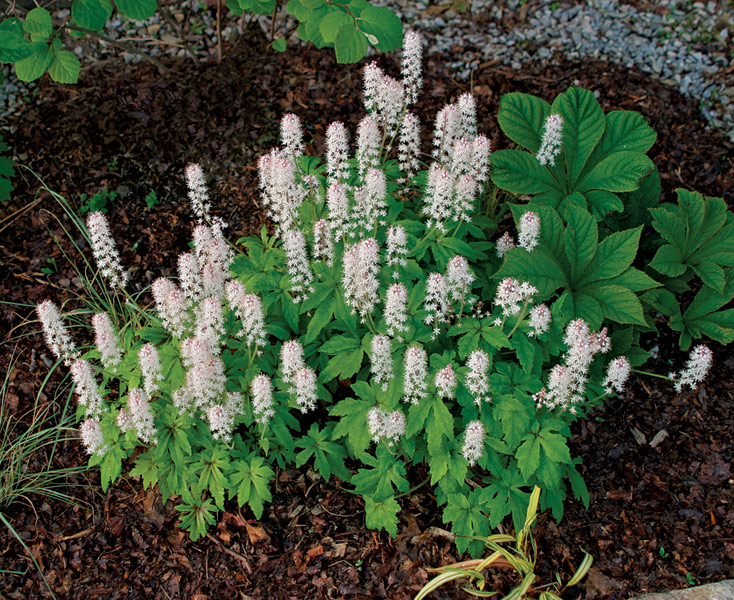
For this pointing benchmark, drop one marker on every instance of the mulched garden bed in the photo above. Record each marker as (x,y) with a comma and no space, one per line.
(127,129)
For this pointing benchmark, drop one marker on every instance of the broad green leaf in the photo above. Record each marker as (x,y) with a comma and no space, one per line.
(712,275)
(383,24)
(330,24)
(320,319)
(311,26)
(554,446)
(515,419)
(613,256)
(618,304)
(91,14)
(468,520)
(583,127)
(521,117)
(536,267)
(625,130)
(250,479)
(619,172)
(588,309)
(339,344)
(13,45)
(519,172)
(634,279)
(312,4)
(601,203)
(669,225)
(382,514)
(137,10)
(31,68)
(350,44)
(38,20)
(354,417)
(147,467)
(525,351)
(579,239)
(668,261)
(65,67)
(528,455)
(279,44)
(637,204)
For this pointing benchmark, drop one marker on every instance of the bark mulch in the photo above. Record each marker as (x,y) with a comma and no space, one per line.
(658,516)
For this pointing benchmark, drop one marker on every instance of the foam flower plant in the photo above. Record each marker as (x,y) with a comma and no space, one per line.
(371,322)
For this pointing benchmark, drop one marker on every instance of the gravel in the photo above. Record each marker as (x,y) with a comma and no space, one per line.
(685,44)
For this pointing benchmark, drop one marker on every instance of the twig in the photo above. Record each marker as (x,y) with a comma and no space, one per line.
(219,31)
(272,22)
(103,38)
(17,214)
(77,535)
(165,13)
(226,550)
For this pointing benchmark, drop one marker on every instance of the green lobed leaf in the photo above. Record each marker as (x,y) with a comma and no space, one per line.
(138,10)
(382,514)
(332,21)
(521,117)
(384,25)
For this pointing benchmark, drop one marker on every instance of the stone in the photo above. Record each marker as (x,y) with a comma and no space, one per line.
(722,590)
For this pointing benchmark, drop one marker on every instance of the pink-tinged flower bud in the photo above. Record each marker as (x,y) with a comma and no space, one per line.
(481,149)
(396,310)
(337,153)
(304,386)
(104,250)
(550,145)
(445,382)
(150,366)
(618,372)
(189,276)
(415,374)
(446,131)
(381,360)
(87,391)
(409,145)
(412,66)
(540,318)
(291,134)
(261,389)
(291,359)
(198,193)
(338,203)
(468,108)
(477,379)
(55,334)
(439,196)
(368,145)
(106,340)
(699,364)
(171,306)
(473,447)
(458,278)
(141,416)
(92,437)
(529,231)
(299,267)
(221,422)
(504,244)
(323,244)
(360,279)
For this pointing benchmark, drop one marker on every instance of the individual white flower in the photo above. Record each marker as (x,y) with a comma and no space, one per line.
(87,391)
(198,193)
(150,366)
(104,250)
(415,374)
(409,145)
(360,280)
(338,203)
(699,364)
(396,310)
(55,334)
(550,145)
(412,66)
(337,153)
(299,267)
(381,360)
(445,382)
(618,371)
(262,398)
(368,145)
(540,318)
(504,244)
(141,415)
(529,231)
(106,341)
(291,359)
(92,437)
(291,134)
(171,305)
(473,447)
(458,278)
(477,379)
(468,109)
(304,386)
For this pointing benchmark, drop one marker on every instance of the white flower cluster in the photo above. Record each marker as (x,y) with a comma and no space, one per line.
(104,250)
(699,364)
(291,134)
(540,318)
(368,145)
(360,279)
(409,145)
(511,294)
(106,341)
(550,145)
(299,267)
(87,391)
(477,379)
(445,382)
(141,416)
(337,153)
(55,334)
(281,194)
(384,425)
(396,310)
(529,231)
(249,309)
(397,248)
(473,447)
(198,193)
(412,66)
(92,437)
(415,374)
(150,366)
(618,371)
(381,360)
(262,398)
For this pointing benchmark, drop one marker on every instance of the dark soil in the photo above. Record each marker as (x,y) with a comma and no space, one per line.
(656,515)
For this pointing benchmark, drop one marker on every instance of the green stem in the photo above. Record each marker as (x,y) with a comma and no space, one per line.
(414,488)
(523,312)
(652,374)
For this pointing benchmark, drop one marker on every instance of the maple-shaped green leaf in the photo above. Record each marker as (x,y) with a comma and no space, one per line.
(197,513)
(382,514)
(328,456)
(147,467)
(506,495)
(515,416)
(211,464)
(251,479)
(465,512)
(352,424)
